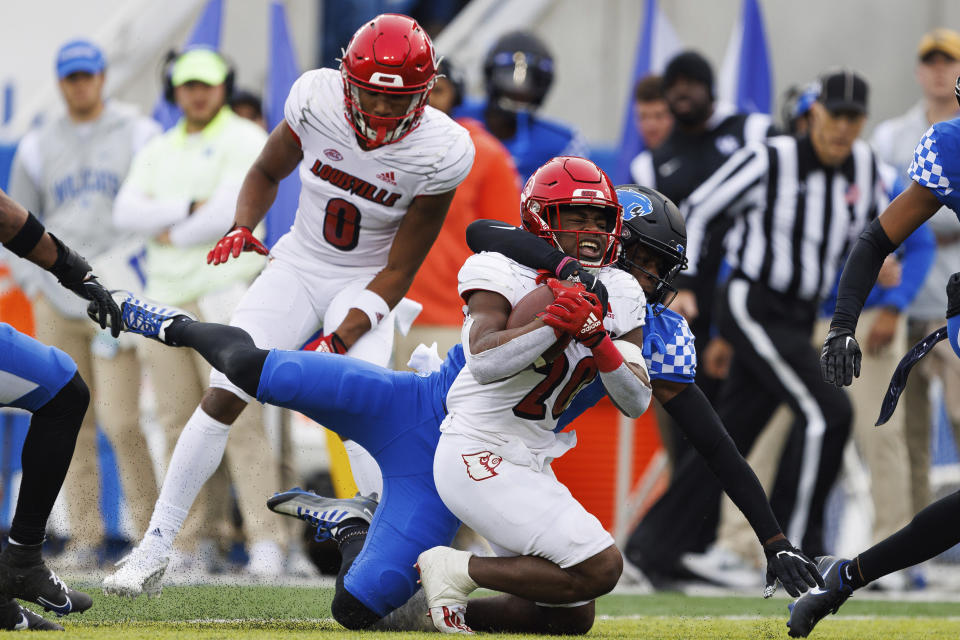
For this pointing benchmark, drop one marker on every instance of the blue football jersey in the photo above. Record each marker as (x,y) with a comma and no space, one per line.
(669,354)
(936,163)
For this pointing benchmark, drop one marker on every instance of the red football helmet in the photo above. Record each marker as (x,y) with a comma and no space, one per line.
(567,180)
(390,54)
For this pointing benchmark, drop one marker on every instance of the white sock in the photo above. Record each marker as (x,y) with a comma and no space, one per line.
(366,471)
(197,455)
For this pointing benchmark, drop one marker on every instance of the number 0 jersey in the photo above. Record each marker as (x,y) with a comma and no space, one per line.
(352,200)
(518,415)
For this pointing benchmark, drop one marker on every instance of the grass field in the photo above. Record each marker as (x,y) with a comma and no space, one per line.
(298,612)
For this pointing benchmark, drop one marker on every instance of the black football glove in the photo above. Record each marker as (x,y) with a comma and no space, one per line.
(74,273)
(790,567)
(840,358)
(103,308)
(571,269)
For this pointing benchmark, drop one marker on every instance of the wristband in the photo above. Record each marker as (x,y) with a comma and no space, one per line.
(606,355)
(373,305)
(28,237)
(564,264)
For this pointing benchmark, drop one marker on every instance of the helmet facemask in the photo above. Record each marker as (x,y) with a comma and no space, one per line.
(669,266)
(380,130)
(606,242)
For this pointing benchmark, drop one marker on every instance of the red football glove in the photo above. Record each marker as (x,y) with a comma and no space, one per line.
(577,313)
(236,240)
(327,344)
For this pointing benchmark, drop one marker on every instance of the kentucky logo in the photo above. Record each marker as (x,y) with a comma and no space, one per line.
(481,465)
(641,206)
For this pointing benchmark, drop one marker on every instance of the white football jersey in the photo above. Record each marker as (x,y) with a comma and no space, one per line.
(352,200)
(527,405)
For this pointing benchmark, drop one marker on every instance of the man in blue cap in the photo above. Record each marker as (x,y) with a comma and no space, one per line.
(67,172)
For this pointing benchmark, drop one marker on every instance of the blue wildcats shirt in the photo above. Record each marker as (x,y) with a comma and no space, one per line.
(936,163)
(669,353)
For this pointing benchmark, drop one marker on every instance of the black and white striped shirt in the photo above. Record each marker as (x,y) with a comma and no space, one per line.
(795,218)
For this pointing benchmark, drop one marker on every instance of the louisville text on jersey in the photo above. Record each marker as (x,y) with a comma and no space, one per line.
(356,186)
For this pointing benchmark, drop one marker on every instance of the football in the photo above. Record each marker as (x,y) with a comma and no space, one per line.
(526,310)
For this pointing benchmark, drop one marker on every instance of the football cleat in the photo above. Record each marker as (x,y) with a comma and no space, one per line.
(149,319)
(24,575)
(326,514)
(138,572)
(815,604)
(14,617)
(446,583)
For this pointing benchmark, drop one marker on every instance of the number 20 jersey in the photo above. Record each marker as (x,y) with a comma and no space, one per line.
(526,406)
(352,200)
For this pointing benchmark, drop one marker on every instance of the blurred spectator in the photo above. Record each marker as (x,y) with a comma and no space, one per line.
(654,120)
(938,65)
(795,113)
(491,190)
(781,273)
(181,193)
(339,20)
(249,106)
(67,173)
(518,71)
(704,135)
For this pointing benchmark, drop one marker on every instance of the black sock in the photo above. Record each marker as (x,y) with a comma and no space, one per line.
(229,350)
(46,456)
(851,574)
(931,532)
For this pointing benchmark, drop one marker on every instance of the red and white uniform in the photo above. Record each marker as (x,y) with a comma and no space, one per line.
(351,204)
(492,467)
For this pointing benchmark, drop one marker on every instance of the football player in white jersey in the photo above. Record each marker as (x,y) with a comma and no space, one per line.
(492,465)
(379,168)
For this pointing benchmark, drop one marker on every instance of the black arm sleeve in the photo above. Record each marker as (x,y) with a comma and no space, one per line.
(515,243)
(701,424)
(860,274)
(530,251)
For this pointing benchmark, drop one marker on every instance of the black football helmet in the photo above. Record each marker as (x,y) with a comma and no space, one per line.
(652,220)
(518,71)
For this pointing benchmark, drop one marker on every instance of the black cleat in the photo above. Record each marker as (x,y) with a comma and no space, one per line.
(815,604)
(14,617)
(24,575)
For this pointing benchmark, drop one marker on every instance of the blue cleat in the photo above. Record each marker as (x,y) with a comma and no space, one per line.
(815,604)
(149,319)
(326,514)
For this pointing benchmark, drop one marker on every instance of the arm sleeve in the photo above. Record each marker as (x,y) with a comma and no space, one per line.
(515,243)
(134,210)
(210,221)
(919,251)
(701,424)
(719,195)
(25,176)
(859,275)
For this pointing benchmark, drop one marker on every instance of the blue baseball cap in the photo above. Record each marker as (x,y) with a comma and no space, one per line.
(79,55)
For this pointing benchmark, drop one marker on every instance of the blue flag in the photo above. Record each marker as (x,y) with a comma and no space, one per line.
(281,75)
(206,32)
(657,45)
(745,78)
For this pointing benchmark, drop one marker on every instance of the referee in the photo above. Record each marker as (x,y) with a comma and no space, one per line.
(796,206)
(705,134)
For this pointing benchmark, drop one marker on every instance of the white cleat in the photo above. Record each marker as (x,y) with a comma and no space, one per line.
(447,584)
(138,572)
